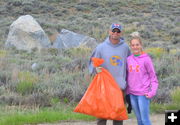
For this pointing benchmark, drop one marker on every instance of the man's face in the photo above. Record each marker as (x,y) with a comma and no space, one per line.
(115,34)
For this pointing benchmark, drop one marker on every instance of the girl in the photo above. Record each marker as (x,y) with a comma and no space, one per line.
(141,79)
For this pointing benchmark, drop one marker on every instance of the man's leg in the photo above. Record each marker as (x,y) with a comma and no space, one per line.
(128,103)
(117,122)
(101,121)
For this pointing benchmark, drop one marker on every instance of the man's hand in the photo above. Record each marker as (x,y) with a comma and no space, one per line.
(98,69)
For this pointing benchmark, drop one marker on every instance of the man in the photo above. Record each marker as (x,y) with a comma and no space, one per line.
(114,51)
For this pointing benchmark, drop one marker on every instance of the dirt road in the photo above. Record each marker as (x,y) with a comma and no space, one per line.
(157,119)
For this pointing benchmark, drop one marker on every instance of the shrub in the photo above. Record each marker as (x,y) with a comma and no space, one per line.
(167,69)
(155,52)
(175,32)
(53,51)
(37,99)
(2,90)
(129,29)
(26,83)
(25,87)
(3,53)
(54,100)
(33,100)
(82,8)
(27,76)
(79,52)
(67,86)
(5,77)
(170,105)
(10,100)
(175,95)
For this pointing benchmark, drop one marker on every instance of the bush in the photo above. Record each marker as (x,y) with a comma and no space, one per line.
(53,51)
(5,77)
(25,87)
(79,52)
(168,76)
(155,52)
(67,86)
(35,99)
(3,53)
(26,83)
(175,95)
(27,76)
(172,104)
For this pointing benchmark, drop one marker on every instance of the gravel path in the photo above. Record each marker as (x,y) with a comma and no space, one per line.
(156,119)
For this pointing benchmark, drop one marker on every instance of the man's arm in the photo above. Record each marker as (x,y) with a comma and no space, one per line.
(96,53)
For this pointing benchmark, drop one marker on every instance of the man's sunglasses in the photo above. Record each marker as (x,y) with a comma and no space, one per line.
(118,31)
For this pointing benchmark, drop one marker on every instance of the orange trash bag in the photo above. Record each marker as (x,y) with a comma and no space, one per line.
(103,98)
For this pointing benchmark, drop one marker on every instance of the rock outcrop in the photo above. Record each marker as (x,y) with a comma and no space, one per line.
(68,39)
(26,34)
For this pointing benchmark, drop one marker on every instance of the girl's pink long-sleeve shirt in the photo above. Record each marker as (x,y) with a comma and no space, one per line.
(141,76)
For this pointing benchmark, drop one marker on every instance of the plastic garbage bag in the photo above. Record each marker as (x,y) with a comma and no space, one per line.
(103,98)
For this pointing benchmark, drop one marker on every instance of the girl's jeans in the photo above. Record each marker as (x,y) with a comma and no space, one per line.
(140,106)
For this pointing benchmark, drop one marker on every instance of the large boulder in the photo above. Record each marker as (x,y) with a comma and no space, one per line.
(26,34)
(68,39)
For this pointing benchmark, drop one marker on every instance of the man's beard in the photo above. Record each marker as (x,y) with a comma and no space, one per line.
(115,38)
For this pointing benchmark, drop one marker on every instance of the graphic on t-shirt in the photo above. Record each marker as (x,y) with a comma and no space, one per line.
(116,61)
(135,68)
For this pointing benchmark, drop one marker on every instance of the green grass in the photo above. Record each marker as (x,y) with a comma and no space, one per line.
(41,117)
(173,105)
(160,108)
(45,115)
(18,115)
(157,108)
(175,95)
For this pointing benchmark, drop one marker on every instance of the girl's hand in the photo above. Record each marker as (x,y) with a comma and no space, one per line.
(147,95)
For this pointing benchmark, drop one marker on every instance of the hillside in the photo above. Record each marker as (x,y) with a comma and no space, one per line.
(27,73)
(156,20)
(45,83)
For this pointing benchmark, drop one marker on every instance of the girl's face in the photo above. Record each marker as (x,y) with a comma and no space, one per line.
(136,46)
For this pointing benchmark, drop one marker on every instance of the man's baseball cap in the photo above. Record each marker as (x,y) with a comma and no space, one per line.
(115,25)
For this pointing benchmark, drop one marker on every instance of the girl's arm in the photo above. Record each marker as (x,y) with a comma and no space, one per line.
(153,78)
